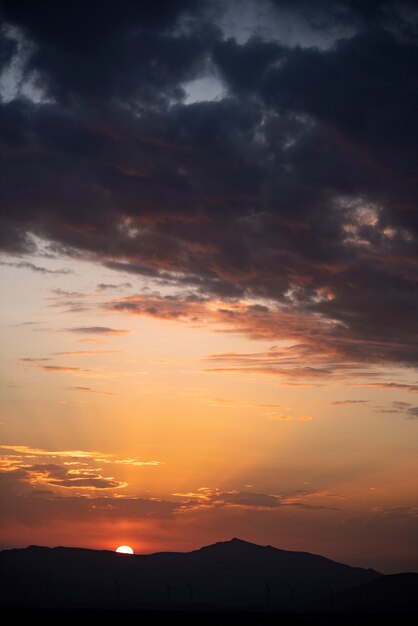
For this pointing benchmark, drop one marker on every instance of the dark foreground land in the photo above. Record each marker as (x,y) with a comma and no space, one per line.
(233,583)
(182,618)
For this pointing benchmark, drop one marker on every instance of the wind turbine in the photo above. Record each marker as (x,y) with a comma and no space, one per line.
(192,589)
(268,595)
(20,591)
(47,585)
(168,590)
(292,591)
(118,588)
(331,591)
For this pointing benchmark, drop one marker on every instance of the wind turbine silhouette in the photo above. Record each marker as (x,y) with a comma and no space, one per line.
(192,589)
(331,590)
(168,590)
(118,588)
(47,585)
(268,595)
(292,591)
(20,591)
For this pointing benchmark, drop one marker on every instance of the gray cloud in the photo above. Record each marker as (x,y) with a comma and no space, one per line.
(296,187)
(90,390)
(97,330)
(58,476)
(412,412)
(348,402)
(35,268)
(106,286)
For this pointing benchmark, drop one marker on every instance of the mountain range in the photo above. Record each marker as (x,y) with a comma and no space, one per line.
(231,575)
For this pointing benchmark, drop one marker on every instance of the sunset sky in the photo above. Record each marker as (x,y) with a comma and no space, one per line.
(209,276)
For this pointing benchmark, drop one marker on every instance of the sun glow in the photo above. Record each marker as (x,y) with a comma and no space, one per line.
(124,550)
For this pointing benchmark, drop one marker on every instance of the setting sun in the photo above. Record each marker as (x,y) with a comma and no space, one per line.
(124,550)
(209,290)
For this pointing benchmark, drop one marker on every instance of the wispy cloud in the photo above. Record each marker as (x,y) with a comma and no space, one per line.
(93,340)
(96,330)
(54,475)
(65,468)
(348,402)
(224,402)
(412,412)
(298,361)
(22,450)
(63,369)
(110,286)
(404,408)
(319,347)
(396,407)
(90,390)
(86,352)
(390,386)
(132,461)
(27,265)
(397,511)
(289,417)
(205,497)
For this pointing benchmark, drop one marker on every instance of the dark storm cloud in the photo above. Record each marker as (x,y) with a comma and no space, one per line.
(8,48)
(100,51)
(326,14)
(297,188)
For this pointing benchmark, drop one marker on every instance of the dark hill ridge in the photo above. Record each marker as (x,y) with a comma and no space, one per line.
(231,574)
(394,593)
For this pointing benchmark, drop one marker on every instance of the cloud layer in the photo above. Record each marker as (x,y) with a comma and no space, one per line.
(295,190)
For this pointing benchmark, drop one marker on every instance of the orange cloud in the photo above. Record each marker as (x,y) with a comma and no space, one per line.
(303,418)
(92,340)
(56,475)
(348,402)
(85,352)
(19,452)
(391,386)
(207,498)
(54,368)
(97,330)
(63,368)
(90,390)
(321,347)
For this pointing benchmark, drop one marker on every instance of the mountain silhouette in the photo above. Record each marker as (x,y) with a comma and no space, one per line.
(233,574)
(394,593)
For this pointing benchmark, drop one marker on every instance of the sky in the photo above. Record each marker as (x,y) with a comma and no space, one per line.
(209,276)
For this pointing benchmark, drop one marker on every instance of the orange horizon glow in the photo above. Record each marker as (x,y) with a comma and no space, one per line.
(209,275)
(157,441)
